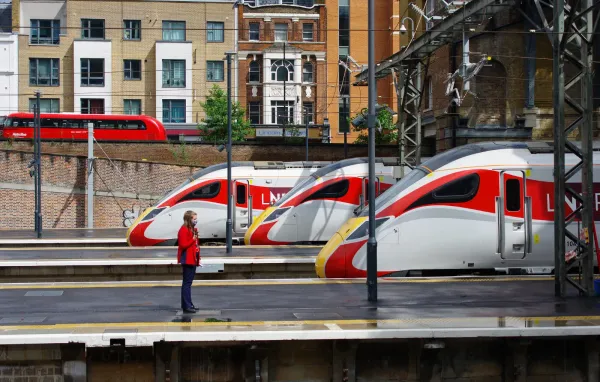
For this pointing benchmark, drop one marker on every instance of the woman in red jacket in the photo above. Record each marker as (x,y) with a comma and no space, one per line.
(188,255)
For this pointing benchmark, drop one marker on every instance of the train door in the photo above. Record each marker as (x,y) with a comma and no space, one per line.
(242,205)
(513,209)
(364,197)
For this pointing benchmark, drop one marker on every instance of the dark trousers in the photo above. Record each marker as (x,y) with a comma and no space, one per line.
(189,271)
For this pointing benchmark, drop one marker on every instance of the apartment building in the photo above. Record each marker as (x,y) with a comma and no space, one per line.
(9,63)
(282,65)
(158,58)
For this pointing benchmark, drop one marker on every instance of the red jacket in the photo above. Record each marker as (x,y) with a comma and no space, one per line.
(188,251)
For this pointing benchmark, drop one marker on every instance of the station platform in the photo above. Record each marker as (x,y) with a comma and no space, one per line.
(64,237)
(153,263)
(143,313)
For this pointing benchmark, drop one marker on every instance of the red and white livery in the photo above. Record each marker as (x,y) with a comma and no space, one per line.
(255,185)
(485,206)
(315,209)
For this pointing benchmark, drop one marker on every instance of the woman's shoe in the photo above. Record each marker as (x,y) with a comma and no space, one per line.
(191,310)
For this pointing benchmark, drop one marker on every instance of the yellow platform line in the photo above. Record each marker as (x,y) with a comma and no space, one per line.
(342,322)
(263,282)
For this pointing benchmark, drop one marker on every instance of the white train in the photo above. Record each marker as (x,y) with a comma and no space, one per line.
(256,185)
(485,206)
(314,210)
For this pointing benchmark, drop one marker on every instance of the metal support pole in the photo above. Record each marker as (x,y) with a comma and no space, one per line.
(90,177)
(306,138)
(229,233)
(417,111)
(372,243)
(38,166)
(558,79)
(344,100)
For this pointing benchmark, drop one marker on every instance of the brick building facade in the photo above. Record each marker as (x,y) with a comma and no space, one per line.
(158,58)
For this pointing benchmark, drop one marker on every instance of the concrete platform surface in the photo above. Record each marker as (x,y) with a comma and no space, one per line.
(146,312)
(153,255)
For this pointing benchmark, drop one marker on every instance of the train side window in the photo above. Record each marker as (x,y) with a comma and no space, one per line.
(512,195)
(209,191)
(240,194)
(458,190)
(335,190)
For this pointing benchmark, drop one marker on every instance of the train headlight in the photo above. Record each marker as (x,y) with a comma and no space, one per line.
(363,229)
(276,214)
(152,214)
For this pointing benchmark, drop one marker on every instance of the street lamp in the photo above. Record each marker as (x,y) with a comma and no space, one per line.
(229,224)
(412,26)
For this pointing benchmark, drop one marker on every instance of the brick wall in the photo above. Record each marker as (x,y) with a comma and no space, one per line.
(135,177)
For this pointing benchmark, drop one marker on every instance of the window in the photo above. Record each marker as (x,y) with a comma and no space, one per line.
(215,31)
(47,105)
(307,31)
(307,72)
(132,69)
(132,30)
(132,106)
(428,93)
(333,191)
(344,27)
(240,194)
(214,70)
(92,106)
(205,192)
(512,194)
(173,111)
(254,112)
(45,32)
(282,112)
(43,72)
(458,190)
(281,32)
(282,70)
(173,73)
(254,75)
(92,72)
(308,112)
(344,114)
(173,30)
(254,31)
(92,28)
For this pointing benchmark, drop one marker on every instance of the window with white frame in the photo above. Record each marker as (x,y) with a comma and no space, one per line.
(308,112)
(254,113)
(45,32)
(254,31)
(281,32)
(307,72)
(215,31)
(173,73)
(282,70)
(307,32)
(254,75)
(92,106)
(282,112)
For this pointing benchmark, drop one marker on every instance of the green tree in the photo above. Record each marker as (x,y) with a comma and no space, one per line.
(385,131)
(215,122)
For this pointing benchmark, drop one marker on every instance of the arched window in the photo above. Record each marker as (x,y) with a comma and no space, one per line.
(254,75)
(307,72)
(282,70)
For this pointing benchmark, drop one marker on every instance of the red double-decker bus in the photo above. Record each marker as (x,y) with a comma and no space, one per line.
(72,127)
